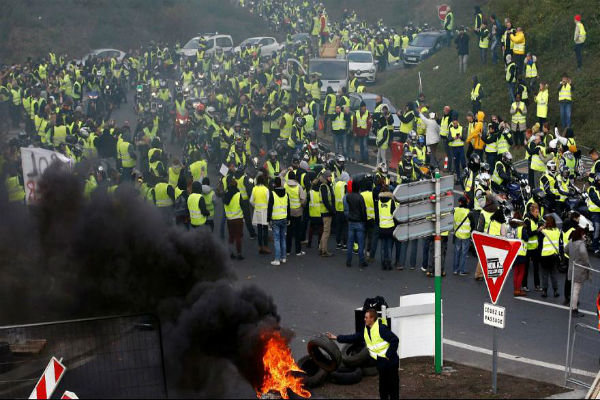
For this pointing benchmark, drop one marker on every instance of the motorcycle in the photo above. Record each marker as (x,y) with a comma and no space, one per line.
(518,192)
(95,106)
(181,127)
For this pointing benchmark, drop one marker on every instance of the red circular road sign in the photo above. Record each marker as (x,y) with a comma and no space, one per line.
(442,11)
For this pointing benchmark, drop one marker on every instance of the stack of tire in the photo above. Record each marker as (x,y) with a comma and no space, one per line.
(325,361)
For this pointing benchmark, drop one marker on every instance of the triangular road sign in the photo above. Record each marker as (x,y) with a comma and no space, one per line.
(496,255)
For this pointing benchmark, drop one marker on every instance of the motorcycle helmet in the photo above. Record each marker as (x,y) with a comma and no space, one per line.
(483,179)
(565,172)
(200,107)
(84,132)
(295,159)
(313,147)
(300,121)
(407,156)
(484,167)
(210,109)
(538,195)
(413,136)
(507,158)
(272,154)
(340,159)
(237,124)
(474,162)
(383,168)
(551,166)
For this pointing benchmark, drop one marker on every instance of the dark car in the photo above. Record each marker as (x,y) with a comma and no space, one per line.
(423,46)
(369,99)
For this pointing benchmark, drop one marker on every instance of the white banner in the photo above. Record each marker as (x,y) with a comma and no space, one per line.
(34,162)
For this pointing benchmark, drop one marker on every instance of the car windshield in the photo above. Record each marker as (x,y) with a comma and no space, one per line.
(192,44)
(423,41)
(360,57)
(330,70)
(251,41)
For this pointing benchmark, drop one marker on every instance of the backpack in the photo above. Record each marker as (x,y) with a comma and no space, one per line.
(374,302)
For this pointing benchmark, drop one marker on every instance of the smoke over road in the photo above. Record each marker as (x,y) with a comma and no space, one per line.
(69,258)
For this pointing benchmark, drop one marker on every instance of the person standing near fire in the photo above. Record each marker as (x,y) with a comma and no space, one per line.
(383,347)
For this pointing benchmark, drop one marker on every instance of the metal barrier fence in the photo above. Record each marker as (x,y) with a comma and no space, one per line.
(107,357)
(583,336)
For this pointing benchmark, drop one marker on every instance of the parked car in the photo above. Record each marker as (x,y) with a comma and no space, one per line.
(213,41)
(299,38)
(363,65)
(423,46)
(369,99)
(268,45)
(119,55)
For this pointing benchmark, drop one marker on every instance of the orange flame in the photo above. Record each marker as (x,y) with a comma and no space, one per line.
(278,366)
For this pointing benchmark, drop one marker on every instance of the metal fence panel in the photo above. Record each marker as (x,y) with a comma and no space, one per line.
(112,357)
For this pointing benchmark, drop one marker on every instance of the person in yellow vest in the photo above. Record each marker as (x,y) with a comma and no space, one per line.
(197,207)
(244,186)
(314,212)
(382,344)
(341,224)
(14,186)
(518,123)
(234,216)
(278,213)
(550,254)
(579,39)
(462,236)
(456,139)
(531,71)
(565,100)
(476,95)
(448,26)
(297,196)
(593,204)
(518,49)
(163,197)
(384,208)
(329,109)
(541,100)
(382,139)
(260,200)
(209,200)
(531,223)
(484,43)
(516,231)
(126,156)
(327,211)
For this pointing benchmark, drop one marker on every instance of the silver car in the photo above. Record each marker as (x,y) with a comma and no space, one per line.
(369,99)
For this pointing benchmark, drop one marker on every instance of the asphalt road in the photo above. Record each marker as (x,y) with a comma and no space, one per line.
(317,294)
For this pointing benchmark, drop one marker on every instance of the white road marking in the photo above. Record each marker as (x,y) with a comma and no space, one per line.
(545,303)
(524,360)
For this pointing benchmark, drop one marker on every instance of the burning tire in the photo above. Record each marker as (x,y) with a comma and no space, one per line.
(346,376)
(355,355)
(324,353)
(313,374)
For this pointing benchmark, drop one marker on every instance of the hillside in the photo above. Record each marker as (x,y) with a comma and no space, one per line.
(34,27)
(548,26)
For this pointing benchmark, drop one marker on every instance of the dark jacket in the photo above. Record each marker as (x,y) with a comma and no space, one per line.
(386,334)
(354,206)
(462,44)
(327,199)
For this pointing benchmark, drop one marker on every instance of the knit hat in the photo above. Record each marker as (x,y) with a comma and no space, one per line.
(578,17)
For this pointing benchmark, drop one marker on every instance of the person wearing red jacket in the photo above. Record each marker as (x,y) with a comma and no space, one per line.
(362,122)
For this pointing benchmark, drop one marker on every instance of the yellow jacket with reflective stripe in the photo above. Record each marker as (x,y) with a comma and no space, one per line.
(462,230)
(375,343)
(369,203)
(233,210)
(386,219)
(339,190)
(260,195)
(550,242)
(280,205)
(196,216)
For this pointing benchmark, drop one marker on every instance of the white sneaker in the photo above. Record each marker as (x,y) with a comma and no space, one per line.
(301,253)
(275,262)
(283,260)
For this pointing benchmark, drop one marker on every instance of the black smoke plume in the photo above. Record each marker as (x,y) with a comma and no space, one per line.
(68,257)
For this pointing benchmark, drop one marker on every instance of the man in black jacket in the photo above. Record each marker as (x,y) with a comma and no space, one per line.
(327,212)
(356,215)
(462,45)
(383,347)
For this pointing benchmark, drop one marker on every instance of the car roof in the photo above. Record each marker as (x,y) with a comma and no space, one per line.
(258,38)
(96,51)
(359,51)
(430,33)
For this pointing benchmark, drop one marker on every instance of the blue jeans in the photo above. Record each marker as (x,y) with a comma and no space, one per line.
(401,254)
(364,148)
(494,50)
(511,91)
(338,143)
(356,233)
(565,113)
(461,249)
(279,232)
(458,154)
(596,221)
(386,248)
(350,145)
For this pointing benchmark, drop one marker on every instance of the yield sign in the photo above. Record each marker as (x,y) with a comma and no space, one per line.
(496,256)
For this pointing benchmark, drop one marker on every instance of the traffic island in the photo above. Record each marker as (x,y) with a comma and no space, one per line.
(419,380)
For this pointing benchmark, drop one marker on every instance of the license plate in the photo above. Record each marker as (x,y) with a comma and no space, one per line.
(411,58)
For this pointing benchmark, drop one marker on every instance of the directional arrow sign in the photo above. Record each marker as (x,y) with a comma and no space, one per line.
(496,256)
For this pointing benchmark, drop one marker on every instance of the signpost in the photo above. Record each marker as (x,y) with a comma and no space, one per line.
(496,256)
(424,212)
(442,11)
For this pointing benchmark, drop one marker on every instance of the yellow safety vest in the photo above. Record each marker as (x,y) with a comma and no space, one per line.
(260,194)
(174,175)
(339,190)
(338,123)
(406,127)
(233,210)
(550,242)
(280,205)
(123,153)
(210,205)
(542,104)
(161,195)
(462,230)
(386,219)
(532,242)
(536,161)
(564,94)
(445,126)
(375,343)
(198,170)
(242,187)
(286,132)
(453,133)
(369,204)
(60,135)
(494,228)
(510,66)
(293,193)
(592,207)
(531,70)
(523,248)
(15,190)
(314,205)
(196,216)
(380,135)
(518,117)
(475,92)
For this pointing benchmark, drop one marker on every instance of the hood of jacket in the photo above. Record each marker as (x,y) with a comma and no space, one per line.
(385,196)
(279,191)
(480,116)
